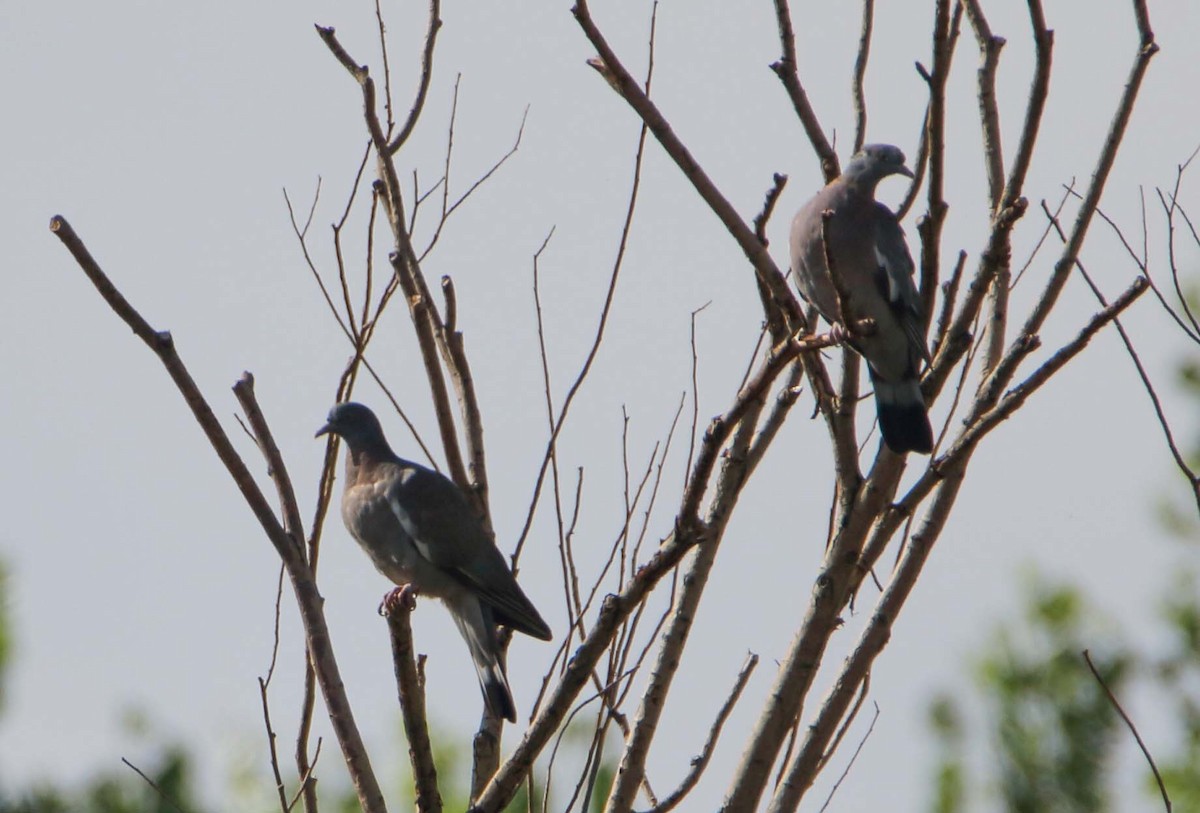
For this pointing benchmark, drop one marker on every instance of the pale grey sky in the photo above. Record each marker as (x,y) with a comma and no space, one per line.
(165,134)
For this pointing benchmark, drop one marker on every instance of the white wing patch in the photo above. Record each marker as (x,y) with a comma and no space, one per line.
(406,522)
(889,273)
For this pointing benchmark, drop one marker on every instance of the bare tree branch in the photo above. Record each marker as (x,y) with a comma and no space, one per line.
(700,762)
(860,73)
(157,789)
(850,764)
(414,113)
(945,39)
(788,70)
(410,682)
(989,113)
(1180,460)
(1146,50)
(639,100)
(997,304)
(623,243)
(1162,788)
(307,596)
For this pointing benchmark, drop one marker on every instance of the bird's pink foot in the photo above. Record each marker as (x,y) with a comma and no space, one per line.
(402,597)
(838,332)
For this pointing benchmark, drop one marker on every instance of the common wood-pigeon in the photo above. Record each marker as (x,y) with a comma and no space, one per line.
(420,531)
(875,270)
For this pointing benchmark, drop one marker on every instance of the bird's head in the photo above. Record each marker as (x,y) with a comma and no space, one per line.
(354,423)
(873,163)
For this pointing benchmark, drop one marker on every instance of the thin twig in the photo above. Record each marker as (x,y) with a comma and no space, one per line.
(946,29)
(699,763)
(860,73)
(1162,788)
(307,595)
(435,25)
(1180,459)
(863,690)
(989,113)
(788,70)
(308,784)
(582,375)
(387,71)
(997,304)
(264,683)
(652,117)
(162,793)
(695,387)
(271,738)
(850,764)
(1146,50)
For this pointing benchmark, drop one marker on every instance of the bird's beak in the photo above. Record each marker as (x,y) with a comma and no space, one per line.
(324,430)
(905,171)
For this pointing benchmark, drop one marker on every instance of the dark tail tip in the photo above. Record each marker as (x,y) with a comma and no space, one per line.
(905,427)
(498,698)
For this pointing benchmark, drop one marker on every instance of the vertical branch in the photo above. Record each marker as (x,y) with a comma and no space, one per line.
(387,71)
(798,668)
(603,322)
(464,385)
(1146,50)
(812,751)
(774,312)
(631,770)
(989,117)
(1039,92)
(990,46)
(843,432)
(307,596)
(996,307)
(945,38)
(949,297)
(435,25)
(860,72)
(426,320)
(629,89)
(788,71)
(410,683)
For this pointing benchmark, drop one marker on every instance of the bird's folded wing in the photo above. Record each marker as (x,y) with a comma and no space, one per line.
(512,607)
(897,265)
(444,530)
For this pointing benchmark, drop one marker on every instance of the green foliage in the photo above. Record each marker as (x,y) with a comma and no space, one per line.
(1178,517)
(1178,677)
(5,633)
(1053,729)
(119,791)
(606,774)
(950,780)
(1054,724)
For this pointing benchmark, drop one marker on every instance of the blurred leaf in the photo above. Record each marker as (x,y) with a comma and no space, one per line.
(5,633)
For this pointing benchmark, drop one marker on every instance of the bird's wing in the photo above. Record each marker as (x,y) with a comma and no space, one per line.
(895,277)
(446,532)
(808,268)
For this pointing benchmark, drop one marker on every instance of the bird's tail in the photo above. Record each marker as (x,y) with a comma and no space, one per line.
(903,418)
(478,628)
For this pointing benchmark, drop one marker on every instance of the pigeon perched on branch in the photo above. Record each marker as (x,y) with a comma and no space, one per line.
(874,279)
(420,532)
